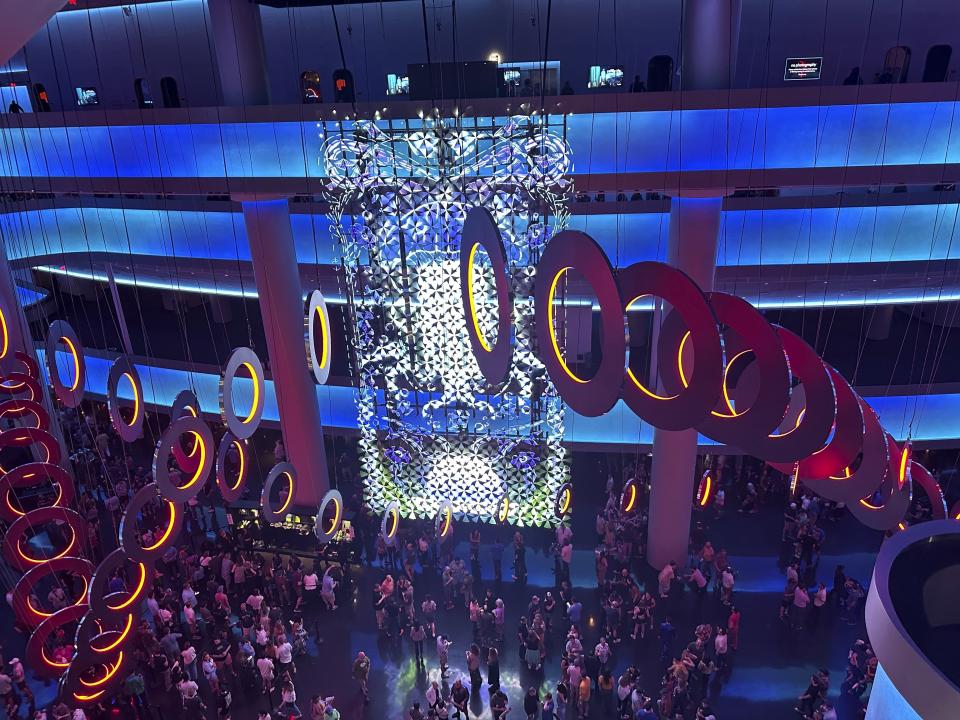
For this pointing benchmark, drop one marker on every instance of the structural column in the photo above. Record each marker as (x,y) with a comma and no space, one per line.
(238,43)
(277,275)
(694,229)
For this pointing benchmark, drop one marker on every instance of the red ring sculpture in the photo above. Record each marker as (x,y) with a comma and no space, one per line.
(28,475)
(25,437)
(22,408)
(130,534)
(232,492)
(37,658)
(13,549)
(161,471)
(480,231)
(23,607)
(185,404)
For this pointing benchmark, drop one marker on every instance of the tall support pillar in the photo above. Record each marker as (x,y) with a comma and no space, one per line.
(238,43)
(267,222)
(694,229)
(710,34)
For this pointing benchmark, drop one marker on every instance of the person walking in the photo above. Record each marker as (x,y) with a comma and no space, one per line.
(417,636)
(361,673)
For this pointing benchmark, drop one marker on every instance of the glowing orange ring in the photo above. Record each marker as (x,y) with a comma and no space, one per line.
(501,513)
(563,501)
(443,521)
(22,408)
(231,493)
(317,314)
(185,404)
(103,603)
(123,368)
(25,437)
(70,395)
(23,608)
(325,535)
(705,489)
(390,523)
(280,469)
(12,541)
(29,475)
(37,657)
(629,496)
(242,428)
(129,533)
(4,335)
(181,493)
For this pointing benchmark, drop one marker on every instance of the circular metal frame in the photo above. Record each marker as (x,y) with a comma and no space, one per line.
(28,475)
(848,435)
(185,404)
(922,478)
(123,367)
(501,513)
(21,408)
(22,607)
(21,382)
(100,600)
(630,496)
(563,500)
(573,250)
(325,536)
(25,437)
(161,469)
(13,548)
(231,493)
(281,468)
(70,395)
(391,521)
(443,522)
(481,231)
(690,399)
(37,657)
(245,427)
(705,489)
(4,334)
(130,535)
(896,492)
(317,312)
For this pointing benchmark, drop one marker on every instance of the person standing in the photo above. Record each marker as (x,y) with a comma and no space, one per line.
(473,665)
(819,600)
(667,633)
(361,673)
(531,703)
(665,578)
(721,644)
(417,636)
(733,629)
(493,669)
(443,649)
(801,599)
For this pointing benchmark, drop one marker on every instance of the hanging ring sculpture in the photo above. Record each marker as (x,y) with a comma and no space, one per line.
(318,339)
(283,469)
(124,369)
(69,393)
(231,492)
(326,531)
(242,428)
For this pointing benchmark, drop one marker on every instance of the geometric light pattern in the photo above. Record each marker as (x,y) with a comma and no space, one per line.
(431,427)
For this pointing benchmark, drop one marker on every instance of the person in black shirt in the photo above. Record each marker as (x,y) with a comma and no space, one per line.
(531,703)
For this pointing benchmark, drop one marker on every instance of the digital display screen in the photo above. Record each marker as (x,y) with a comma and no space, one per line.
(605,76)
(802,68)
(398,84)
(511,77)
(87,96)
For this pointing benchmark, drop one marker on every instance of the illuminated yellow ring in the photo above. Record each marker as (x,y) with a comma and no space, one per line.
(318,340)
(123,368)
(896,492)
(242,428)
(630,496)
(280,469)
(390,523)
(4,335)
(28,475)
(501,513)
(563,500)
(705,489)
(71,392)
(324,530)
(20,408)
(109,606)
(184,404)
(27,436)
(480,231)
(232,492)
(13,548)
(130,535)
(37,658)
(24,609)
(443,523)
(161,472)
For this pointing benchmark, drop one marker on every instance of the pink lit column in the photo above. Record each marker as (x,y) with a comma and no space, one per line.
(694,229)
(267,222)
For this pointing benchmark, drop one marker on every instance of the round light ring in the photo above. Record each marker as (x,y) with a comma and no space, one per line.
(185,404)
(171,436)
(37,658)
(97,636)
(116,667)
(562,503)
(280,470)
(629,498)
(20,362)
(501,512)
(820,406)
(691,398)
(573,250)
(13,547)
(851,485)
(22,408)
(706,489)
(24,609)
(443,522)
(896,492)
(123,369)
(746,331)
(130,534)
(28,475)
(922,478)
(25,437)
(5,343)
(15,384)
(242,428)
(390,523)
(231,491)
(139,584)
(326,530)
(69,393)
(318,339)
(480,231)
